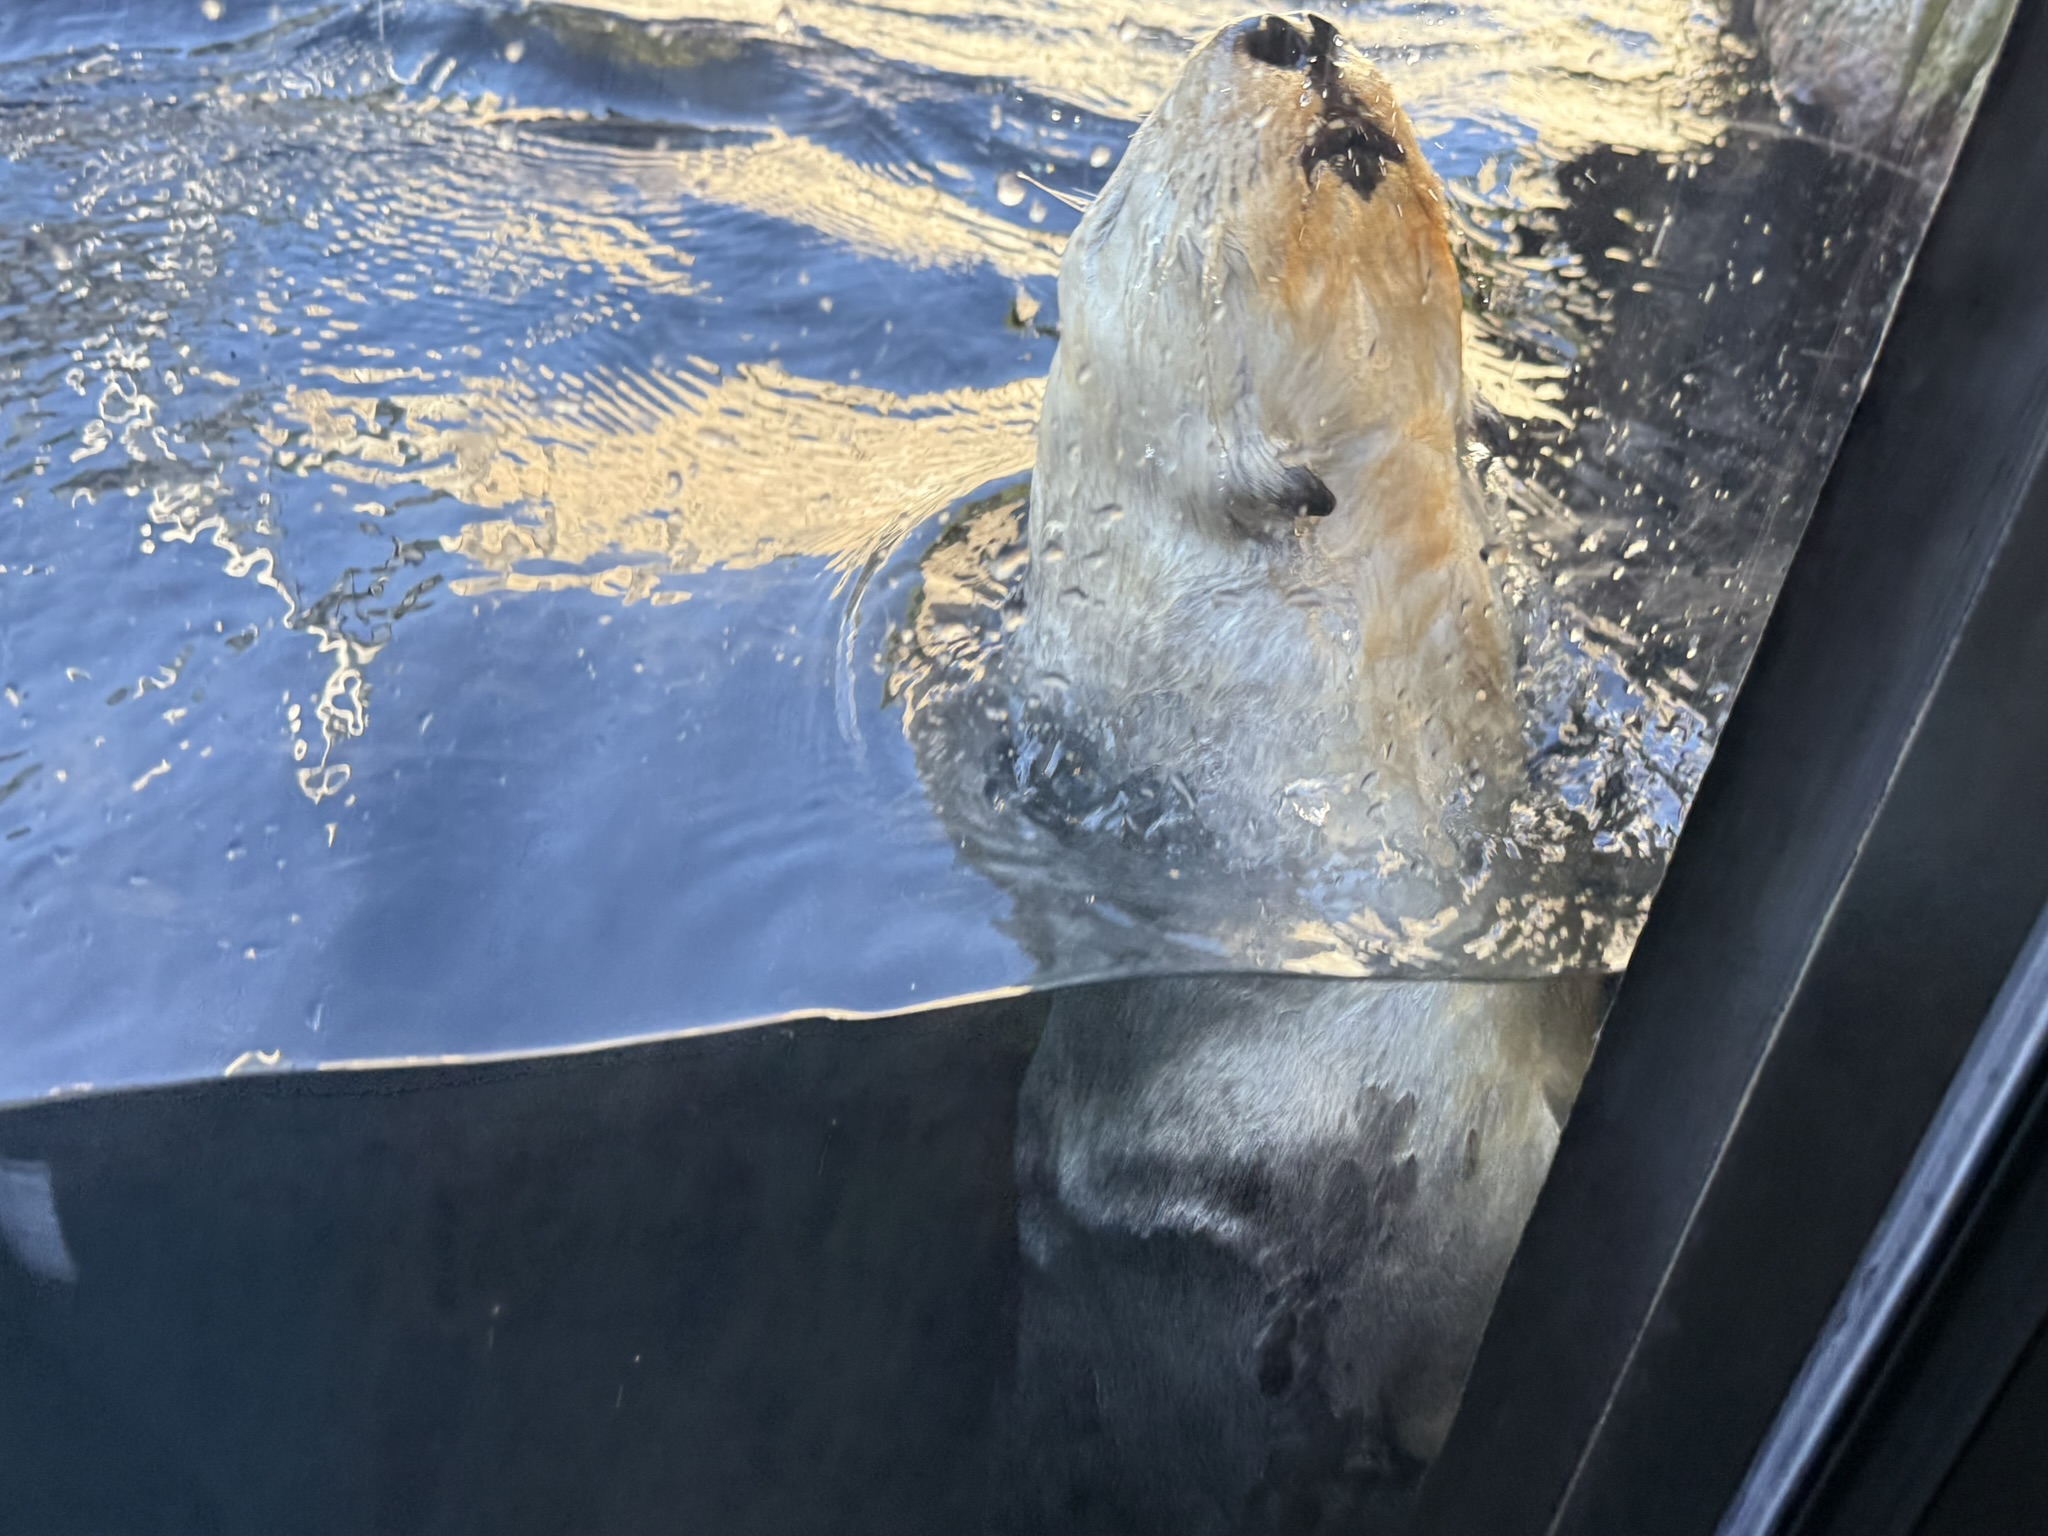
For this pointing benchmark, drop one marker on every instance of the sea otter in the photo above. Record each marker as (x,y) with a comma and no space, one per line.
(1263,1219)
(1256,555)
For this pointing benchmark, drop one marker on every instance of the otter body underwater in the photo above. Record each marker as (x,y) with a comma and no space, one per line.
(1263,1220)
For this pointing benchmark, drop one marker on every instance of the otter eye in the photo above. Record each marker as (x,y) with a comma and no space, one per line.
(1276,41)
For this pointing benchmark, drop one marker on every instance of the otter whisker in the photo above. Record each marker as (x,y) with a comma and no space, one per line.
(1079,202)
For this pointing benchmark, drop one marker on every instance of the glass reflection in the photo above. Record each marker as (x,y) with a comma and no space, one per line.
(610,426)
(671,580)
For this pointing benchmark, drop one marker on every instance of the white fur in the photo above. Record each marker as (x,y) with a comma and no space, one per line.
(1349,1164)
(1226,317)
(1397,1132)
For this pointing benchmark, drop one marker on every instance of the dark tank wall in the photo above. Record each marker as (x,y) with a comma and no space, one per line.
(758,1282)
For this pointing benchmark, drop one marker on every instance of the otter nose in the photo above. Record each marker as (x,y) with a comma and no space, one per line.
(1276,41)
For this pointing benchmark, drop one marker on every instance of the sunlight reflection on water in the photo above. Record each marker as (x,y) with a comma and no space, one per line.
(466,473)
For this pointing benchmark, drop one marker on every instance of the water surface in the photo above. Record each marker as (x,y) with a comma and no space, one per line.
(467,472)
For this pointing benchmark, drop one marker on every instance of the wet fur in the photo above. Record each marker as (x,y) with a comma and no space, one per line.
(1263,1220)
(1242,325)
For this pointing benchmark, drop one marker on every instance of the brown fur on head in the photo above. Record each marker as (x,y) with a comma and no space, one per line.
(1294,186)
(1255,551)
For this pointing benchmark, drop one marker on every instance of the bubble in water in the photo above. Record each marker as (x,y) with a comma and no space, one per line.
(1036,212)
(1009,189)
(515,50)
(212,10)
(1098,157)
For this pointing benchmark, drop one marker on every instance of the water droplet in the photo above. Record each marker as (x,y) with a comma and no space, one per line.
(1098,157)
(515,50)
(1009,190)
(212,10)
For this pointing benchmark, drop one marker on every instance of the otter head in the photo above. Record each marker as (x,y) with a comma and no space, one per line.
(1266,284)
(1254,544)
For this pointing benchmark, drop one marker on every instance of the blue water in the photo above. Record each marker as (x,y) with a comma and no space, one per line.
(463,467)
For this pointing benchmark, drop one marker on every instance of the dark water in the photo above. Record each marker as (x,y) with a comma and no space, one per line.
(463,470)
(760,1282)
